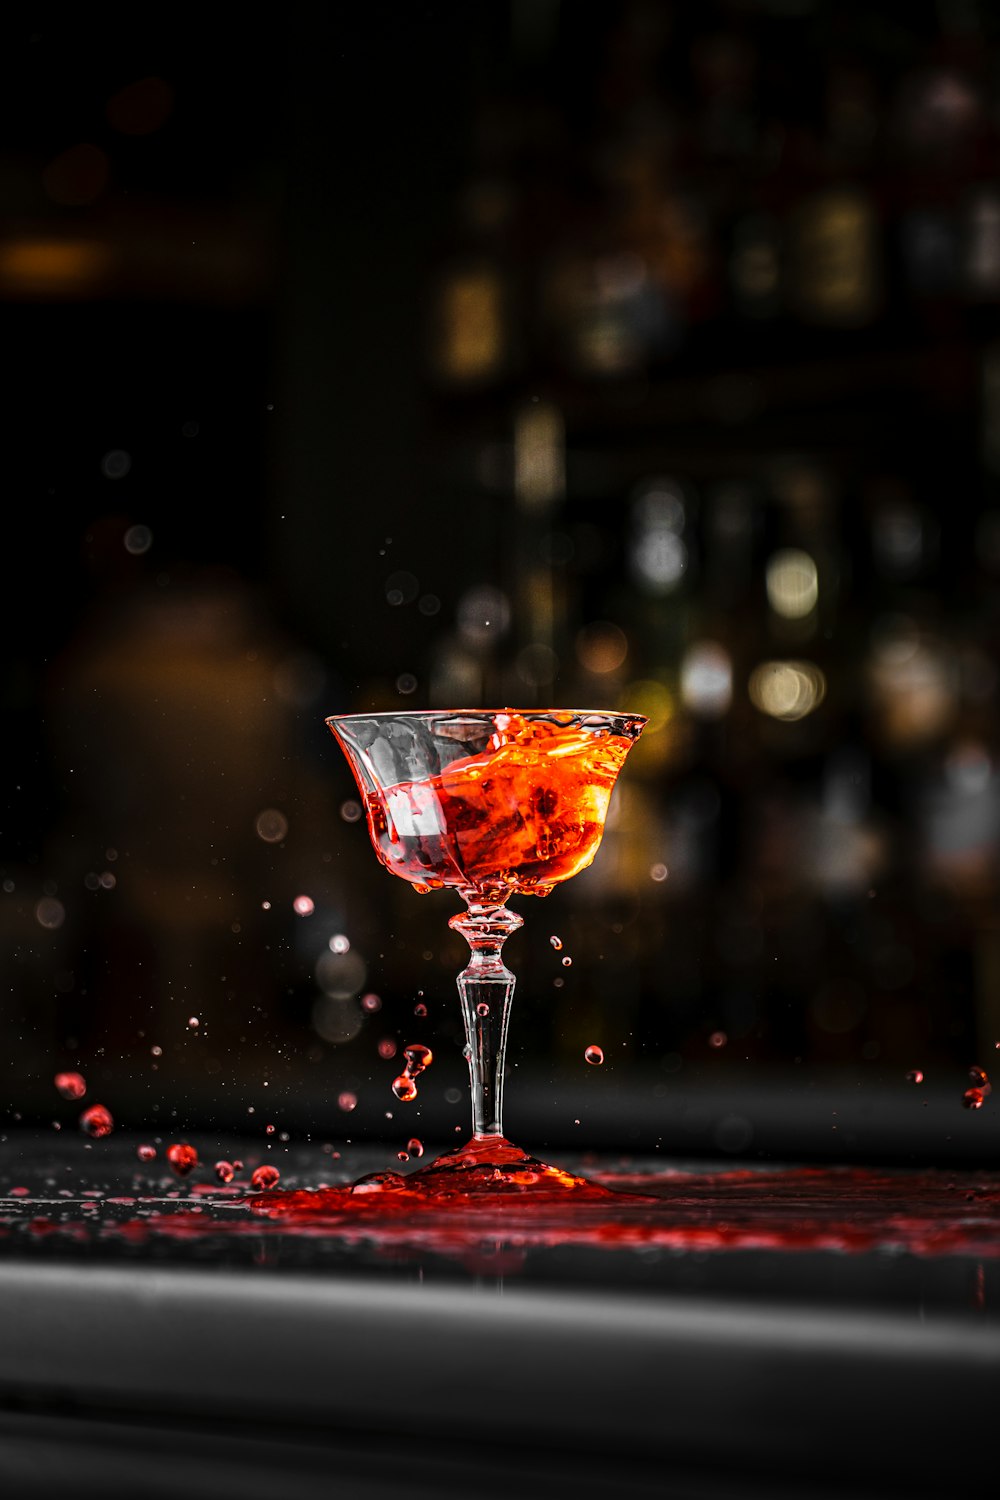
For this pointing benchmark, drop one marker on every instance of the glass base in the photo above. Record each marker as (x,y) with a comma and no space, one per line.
(491,1164)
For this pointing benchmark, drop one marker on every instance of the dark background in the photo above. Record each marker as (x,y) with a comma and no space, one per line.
(409,355)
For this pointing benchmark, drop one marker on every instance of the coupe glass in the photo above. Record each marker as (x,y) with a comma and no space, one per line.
(490,803)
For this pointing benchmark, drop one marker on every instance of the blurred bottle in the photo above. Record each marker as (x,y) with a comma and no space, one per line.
(473,332)
(834,273)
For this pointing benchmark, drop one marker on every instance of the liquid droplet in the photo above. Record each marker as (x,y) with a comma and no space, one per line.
(973,1098)
(482,1009)
(97,1121)
(718,1039)
(556,943)
(420,1010)
(567,962)
(404,1088)
(371,1004)
(339,943)
(387,1047)
(915,1075)
(418,1057)
(415,1147)
(225,1171)
(303,906)
(980,1080)
(594,1055)
(347,1101)
(70,1085)
(265,1176)
(268,1129)
(193,1023)
(402,1156)
(182,1157)
(156,1051)
(146,1153)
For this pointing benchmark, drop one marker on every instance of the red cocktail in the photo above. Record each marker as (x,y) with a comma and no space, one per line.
(491,803)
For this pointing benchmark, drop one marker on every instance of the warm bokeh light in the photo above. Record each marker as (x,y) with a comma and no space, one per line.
(787,690)
(471,343)
(792,584)
(51,266)
(601,647)
(539,479)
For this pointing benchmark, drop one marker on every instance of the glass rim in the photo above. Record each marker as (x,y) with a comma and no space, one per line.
(492,714)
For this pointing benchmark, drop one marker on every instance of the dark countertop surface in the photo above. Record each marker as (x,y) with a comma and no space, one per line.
(774,1330)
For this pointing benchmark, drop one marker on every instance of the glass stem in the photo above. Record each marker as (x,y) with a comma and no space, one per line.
(486,988)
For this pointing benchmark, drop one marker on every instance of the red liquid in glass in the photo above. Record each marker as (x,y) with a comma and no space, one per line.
(521,816)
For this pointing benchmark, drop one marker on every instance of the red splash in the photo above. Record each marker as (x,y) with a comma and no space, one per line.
(97,1121)
(70,1085)
(182,1157)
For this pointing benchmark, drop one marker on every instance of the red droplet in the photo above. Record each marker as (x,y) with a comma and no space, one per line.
(482,1009)
(980,1080)
(265,1176)
(97,1121)
(567,962)
(973,1098)
(915,1075)
(556,943)
(594,1055)
(225,1171)
(718,1039)
(347,1101)
(268,1129)
(420,1010)
(237,1165)
(182,1157)
(415,1147)
(146,1153)
(402,1156)
(71,1085)
(371,1004)
(418,1057)
(404,1088)
(387,1047)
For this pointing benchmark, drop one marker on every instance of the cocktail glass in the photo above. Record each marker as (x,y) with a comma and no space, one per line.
(491,804)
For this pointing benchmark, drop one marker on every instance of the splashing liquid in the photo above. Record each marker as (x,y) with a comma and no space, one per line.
(840,1209)
(480,1175)
(976,1096)
(70,1085)
(523,815)
(97,1121)
(418,1057)
(265,1177)
(182,1157)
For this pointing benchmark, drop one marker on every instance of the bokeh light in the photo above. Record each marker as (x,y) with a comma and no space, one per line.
(792,583)
(787,690)
(707,679)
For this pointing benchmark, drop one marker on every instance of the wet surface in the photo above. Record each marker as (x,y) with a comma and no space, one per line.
(920,1242)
